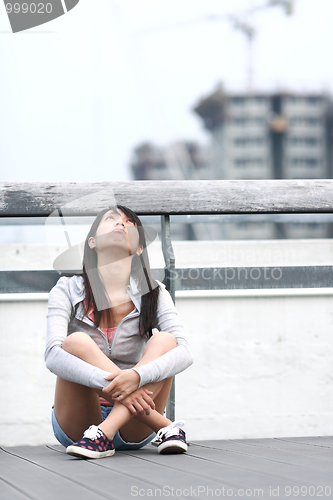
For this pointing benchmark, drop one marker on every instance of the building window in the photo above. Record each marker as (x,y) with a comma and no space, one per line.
(294,99)
(304,141)
(248,141)
(160,165)
(245,120)
(239,101)
(314,100)
(305,162)
(249,162)
(313,121)
(305,120)
(239,121)
(258,120)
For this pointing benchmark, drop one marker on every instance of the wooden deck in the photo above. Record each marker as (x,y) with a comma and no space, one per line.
(259,468)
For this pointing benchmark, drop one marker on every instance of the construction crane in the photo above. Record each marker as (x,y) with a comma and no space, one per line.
(241,23)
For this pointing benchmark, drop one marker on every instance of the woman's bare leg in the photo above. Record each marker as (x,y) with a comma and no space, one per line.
(131,431)
(77,407)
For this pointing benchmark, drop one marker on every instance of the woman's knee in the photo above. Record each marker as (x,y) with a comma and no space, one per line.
(76,343)
(165,340)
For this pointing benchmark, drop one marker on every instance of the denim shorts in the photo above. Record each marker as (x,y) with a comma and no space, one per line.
(118,442)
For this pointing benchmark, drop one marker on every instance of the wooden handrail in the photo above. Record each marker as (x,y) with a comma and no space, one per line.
(169,197)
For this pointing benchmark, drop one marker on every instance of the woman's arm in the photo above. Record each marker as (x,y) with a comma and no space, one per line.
(174,361)
(58,361)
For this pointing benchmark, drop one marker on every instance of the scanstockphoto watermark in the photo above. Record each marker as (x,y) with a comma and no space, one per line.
(207,492)
(195,492)
(29,14)
(227,275)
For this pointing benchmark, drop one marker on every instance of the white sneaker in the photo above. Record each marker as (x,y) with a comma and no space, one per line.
(171,439)
(94,444)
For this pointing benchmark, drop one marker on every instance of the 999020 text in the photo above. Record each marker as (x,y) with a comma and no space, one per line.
(308,491)
(29,8)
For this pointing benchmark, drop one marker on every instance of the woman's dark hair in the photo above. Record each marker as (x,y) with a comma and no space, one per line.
(140,271)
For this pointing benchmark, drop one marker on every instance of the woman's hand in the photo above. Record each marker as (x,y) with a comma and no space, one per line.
(139,402)
(122,385)
(124,388)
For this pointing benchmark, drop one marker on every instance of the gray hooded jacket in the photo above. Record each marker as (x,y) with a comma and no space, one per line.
(66,315)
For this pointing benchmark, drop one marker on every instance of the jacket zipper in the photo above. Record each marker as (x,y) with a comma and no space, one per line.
(115,333)
(122,321)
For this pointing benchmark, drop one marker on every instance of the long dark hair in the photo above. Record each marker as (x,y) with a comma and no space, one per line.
(140,271)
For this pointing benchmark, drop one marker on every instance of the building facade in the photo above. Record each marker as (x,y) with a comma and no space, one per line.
(268,136)
(252,136)
(181,160)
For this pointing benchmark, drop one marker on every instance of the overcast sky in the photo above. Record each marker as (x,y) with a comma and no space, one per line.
(78,93)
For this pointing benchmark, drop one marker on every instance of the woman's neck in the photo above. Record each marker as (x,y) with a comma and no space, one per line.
(115,278)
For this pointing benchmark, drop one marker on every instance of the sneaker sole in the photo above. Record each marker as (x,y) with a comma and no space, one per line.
(172,447)
(75,451)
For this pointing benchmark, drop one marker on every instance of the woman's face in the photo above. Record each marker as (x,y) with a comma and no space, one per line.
(116,231)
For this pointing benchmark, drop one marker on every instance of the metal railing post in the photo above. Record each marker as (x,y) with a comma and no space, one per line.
(169,256)
(169,259)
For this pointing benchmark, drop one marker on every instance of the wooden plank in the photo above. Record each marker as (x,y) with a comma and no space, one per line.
(301,460)
(290,446)
(157,472)
(165,475)
(226,468)
(210,468)
(169,197)
(10,492)
(323,441)
(112,478)
(274,470)
(39,482)
(184,472)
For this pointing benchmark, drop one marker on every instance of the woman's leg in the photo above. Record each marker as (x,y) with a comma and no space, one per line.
(77,407)
(137,429)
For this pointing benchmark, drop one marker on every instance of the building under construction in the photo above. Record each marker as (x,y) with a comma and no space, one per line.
(268,136)
(279,135)
(181,160)
(253,136)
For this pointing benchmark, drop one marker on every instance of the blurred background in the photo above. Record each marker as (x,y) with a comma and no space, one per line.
(120,90)
(176,89)
(169,90)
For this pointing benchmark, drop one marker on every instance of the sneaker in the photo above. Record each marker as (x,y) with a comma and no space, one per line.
(94,444)
(171,439)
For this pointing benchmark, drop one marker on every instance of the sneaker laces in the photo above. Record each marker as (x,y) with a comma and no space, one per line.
(94,432)
(170,430)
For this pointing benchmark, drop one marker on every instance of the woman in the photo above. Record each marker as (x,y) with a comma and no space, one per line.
(100,345)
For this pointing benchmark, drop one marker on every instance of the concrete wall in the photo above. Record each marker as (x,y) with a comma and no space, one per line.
(263,359)
(26,386)
(263,366)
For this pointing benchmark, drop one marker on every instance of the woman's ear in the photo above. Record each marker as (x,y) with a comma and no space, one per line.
(91,242)
(139,250)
